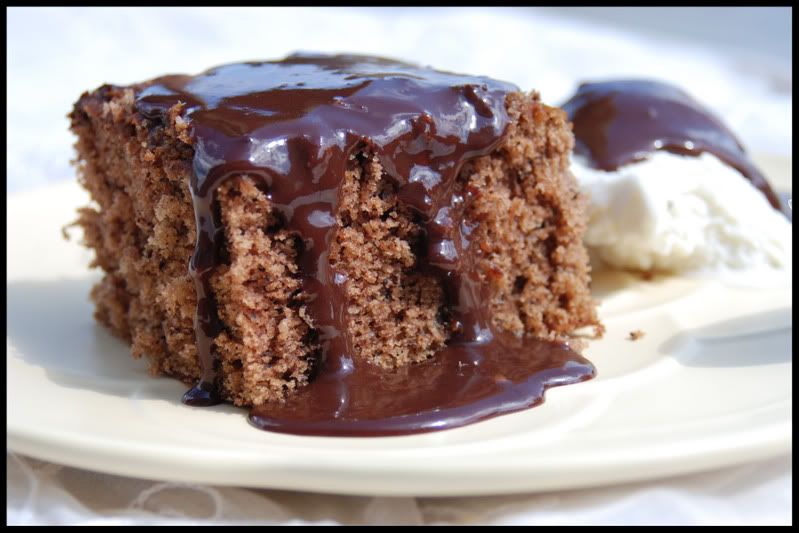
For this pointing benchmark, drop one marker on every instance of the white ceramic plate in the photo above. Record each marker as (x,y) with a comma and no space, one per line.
(709,385)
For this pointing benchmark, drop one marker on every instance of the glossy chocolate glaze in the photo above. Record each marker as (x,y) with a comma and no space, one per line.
(295,125)
(621,122)
(464,383)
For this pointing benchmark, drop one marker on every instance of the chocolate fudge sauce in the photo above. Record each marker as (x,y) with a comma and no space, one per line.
(621,122)
(294,125)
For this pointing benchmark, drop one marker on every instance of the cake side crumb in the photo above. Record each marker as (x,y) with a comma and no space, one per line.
(531,220)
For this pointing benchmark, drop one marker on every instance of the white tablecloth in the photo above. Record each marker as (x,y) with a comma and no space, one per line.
(55,54)
(44,493)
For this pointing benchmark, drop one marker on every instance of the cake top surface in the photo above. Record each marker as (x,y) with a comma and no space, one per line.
(253,110)
(623,121)
(272,91)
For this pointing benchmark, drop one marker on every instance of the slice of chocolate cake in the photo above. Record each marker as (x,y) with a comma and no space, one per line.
(263,226)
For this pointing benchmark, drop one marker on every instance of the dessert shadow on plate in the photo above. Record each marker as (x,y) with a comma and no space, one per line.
(760,339)
(51,327)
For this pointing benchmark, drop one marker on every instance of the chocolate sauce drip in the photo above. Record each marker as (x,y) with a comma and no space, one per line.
(294,125)
(621,122)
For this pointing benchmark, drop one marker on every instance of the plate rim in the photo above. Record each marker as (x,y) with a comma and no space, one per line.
(261,471)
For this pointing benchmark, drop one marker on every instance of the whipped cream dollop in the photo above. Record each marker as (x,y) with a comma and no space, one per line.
(684,214)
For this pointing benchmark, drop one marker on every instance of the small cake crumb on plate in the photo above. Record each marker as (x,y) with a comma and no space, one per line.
(636,334)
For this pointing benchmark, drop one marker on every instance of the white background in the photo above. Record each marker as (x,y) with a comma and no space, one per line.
(55,54)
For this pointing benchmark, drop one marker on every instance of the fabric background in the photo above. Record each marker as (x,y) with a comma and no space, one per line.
(55,54)
(44,493)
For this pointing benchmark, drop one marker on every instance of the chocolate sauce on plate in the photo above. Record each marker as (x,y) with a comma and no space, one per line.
(624,121)
(294,125)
